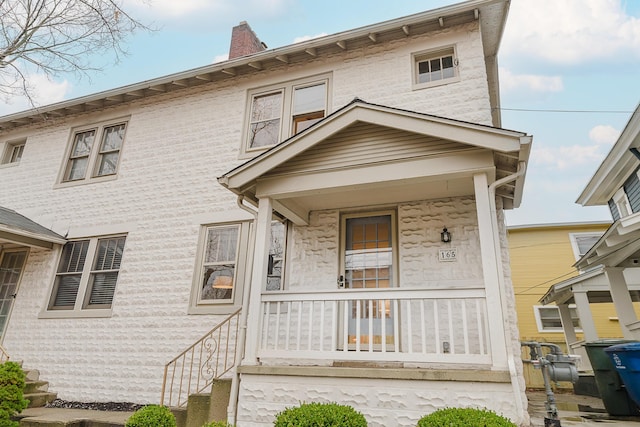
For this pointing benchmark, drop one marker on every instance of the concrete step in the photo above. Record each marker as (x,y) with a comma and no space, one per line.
(39,399)
(36,386)
(59,417)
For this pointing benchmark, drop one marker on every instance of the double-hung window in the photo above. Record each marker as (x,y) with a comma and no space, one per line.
(87,274)
(94,152)
(435,67)
(13,152)
(281,111)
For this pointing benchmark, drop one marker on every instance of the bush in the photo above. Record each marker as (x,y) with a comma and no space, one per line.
(12,401)
(152,416)
(464,417)
(217,424)
(320,415)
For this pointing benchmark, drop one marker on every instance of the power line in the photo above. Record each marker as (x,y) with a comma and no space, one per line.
(532,110)
(546,282)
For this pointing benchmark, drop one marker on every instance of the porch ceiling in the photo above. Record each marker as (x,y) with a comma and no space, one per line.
(17,230)
(364,155)
(595,284)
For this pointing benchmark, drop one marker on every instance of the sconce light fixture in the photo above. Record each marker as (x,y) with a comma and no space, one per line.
(445,236)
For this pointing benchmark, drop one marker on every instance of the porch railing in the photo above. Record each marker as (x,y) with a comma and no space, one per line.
(405,325)
(4,356)
(195,369)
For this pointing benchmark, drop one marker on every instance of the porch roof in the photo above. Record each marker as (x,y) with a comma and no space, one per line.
(353,155)
(19,230)
(619,246)
(595,284)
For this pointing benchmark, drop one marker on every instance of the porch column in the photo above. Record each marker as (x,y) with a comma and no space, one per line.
(490,271)
(585,315)
(622,301)
(258,279)
(571,337)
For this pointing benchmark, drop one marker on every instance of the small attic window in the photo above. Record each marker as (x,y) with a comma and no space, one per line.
(13,152)
(433,68)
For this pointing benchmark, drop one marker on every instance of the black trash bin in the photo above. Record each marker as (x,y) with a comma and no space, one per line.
(611,388)
(626,359)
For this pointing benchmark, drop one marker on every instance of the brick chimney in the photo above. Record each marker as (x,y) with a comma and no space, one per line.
(244,41)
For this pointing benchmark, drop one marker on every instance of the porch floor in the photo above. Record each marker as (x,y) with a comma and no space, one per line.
(574,410)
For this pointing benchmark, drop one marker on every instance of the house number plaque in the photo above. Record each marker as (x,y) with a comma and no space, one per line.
(450,254)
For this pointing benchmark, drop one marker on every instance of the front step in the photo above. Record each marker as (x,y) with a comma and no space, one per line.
(58,417)
(37,391)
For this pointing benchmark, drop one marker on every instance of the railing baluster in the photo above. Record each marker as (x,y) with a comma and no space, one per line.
(277,331)
(396,326)
(480,328)
(309,338)
(383,330)
(267,319)
(288,327)
(452,341)
(345,324)
(423,328)
(334,324)
(409,326)
(358,315)
(465,327)
(299,332)
(321,340)
(436,326)
(371,314)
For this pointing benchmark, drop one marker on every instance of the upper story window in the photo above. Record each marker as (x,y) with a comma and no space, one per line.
(622,203)
(278,112)
(13,152)
(94,152)
(433,68)
(582,242)
(87,274)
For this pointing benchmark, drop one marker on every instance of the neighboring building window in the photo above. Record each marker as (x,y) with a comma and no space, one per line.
(276,256)
(87,274)
(94,152)
(13,152)
(279,112)
(548,318)
(435,67)
(582,242)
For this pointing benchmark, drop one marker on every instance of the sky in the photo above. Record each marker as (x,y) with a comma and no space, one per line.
(569,73)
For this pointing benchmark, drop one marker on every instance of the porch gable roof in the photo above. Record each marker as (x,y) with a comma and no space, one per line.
(506,146)
(17,228)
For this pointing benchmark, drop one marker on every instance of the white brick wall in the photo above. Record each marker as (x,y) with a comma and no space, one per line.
(176,146)
(384,403)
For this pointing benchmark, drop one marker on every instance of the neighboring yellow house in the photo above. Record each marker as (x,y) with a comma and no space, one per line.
(541,255)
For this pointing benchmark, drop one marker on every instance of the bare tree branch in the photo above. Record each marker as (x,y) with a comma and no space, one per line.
(58,36)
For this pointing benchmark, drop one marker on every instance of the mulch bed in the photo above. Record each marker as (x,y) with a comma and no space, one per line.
(98,406)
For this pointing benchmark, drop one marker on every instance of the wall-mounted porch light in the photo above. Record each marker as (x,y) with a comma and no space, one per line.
(445,236)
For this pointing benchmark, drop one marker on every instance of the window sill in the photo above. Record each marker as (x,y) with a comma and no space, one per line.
(9,165)
(420,86)
(85,181)
(73,314)
(213,309)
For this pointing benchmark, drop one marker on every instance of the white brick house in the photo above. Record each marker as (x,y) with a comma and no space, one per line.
(308,186)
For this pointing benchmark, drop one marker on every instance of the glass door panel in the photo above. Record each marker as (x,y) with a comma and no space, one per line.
(11,264)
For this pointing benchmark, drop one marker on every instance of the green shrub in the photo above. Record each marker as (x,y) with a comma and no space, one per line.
(217,424)
(12,401)
(152,416)
(464,417)
(320,415)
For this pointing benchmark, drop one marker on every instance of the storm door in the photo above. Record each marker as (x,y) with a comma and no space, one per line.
(368,263)
(11,265)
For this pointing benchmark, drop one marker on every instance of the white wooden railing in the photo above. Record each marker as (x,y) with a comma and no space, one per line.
(415,325)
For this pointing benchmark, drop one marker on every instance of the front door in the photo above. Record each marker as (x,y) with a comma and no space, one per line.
(11,265)
(368,263)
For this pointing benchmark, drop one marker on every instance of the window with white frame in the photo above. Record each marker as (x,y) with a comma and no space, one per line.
(435,67)
(548,318)
(582,242)
(278,112)
(13,152)
(94,152)
(87,274)
(220,271)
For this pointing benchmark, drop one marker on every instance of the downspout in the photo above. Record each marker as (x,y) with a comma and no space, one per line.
(242,335)
(522,167)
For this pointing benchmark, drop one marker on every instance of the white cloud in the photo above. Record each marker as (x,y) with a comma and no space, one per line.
(568,157)
(571,31)
(604,134)
(305,38)
(534,83)
(44,92)
(221,58)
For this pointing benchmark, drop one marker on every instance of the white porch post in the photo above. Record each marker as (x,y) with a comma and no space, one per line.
(258,279)
(490,272)
(585,315)
(622,301)
(571,337)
